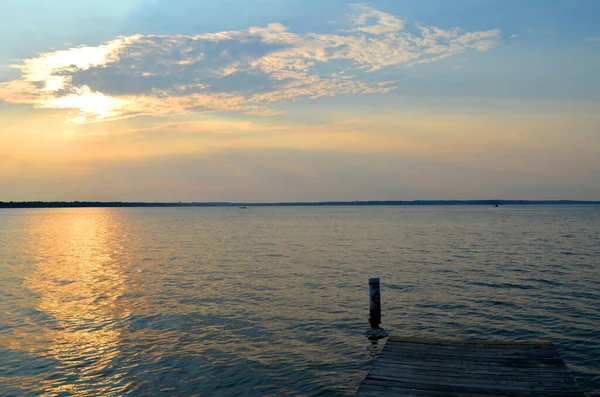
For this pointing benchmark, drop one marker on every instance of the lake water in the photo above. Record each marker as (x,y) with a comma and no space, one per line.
(273,301)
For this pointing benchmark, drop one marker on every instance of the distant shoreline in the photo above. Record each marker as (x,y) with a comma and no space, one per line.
(84,204)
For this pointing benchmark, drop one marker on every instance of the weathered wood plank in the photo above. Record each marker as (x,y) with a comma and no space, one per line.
(473,372)
(392,374)
(468,388)
(527,351)
(371,388)
(461,379)
(446,391)
(476,366)
(427,368)
(505,361)
(482,352)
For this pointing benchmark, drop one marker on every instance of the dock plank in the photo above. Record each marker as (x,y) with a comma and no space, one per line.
(428,367)
(527,350)
(473,370)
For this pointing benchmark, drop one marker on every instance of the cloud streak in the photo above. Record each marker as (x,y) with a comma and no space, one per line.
(246,70)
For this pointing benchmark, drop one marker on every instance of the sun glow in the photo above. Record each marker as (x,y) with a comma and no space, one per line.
(91,105)
(47,67)
(48,73)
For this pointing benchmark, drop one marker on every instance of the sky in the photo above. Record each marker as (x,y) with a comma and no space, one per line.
(299,100)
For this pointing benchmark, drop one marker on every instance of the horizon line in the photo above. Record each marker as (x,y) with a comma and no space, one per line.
(77,203)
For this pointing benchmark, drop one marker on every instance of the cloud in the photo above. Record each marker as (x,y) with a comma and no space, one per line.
(244,70)
(385,23)
(593,38)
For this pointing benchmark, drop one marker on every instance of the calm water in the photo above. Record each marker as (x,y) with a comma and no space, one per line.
(273,301)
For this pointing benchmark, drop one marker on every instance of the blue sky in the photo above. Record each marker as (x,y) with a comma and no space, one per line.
(299,100)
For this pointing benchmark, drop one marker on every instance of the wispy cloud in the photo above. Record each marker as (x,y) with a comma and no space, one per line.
(385,23)
(245,70)
(593,38)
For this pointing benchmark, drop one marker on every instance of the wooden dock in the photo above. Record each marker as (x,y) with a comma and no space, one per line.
(426,367)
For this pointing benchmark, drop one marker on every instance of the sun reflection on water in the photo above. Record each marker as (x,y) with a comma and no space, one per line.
(213,301)
(79,281)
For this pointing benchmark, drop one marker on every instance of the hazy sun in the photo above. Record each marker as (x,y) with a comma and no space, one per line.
(45,71)
(91,105)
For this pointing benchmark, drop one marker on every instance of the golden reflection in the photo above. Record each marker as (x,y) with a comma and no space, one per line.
(79,280)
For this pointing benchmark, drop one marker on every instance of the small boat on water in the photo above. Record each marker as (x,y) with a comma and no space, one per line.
(243,207)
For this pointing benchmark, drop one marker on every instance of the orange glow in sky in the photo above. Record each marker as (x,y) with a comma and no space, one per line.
(372,102)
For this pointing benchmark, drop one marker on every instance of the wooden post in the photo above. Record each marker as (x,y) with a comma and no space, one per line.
(374,302)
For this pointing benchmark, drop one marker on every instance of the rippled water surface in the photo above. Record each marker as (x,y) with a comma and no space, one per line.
(273,301)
